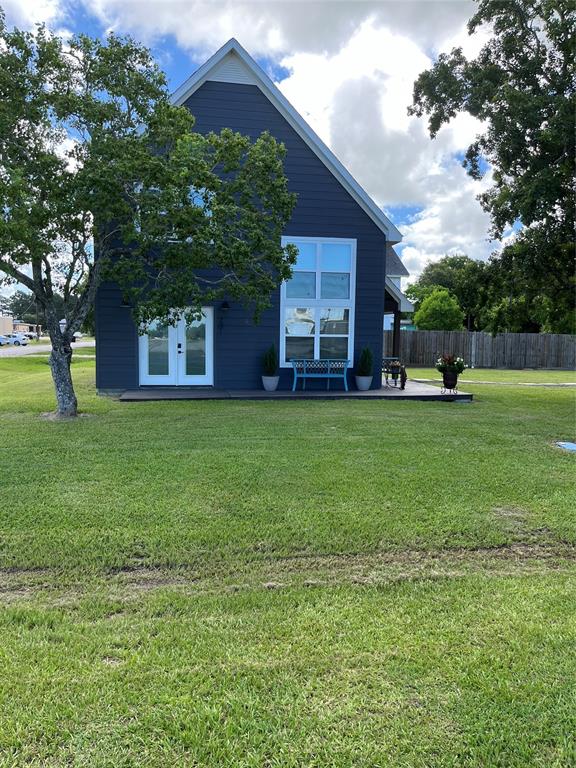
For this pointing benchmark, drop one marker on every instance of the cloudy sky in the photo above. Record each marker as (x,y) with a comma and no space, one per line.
(348,66)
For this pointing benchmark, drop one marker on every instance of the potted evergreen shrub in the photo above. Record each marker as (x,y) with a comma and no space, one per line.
(364,369)
(270,375)
(450,367)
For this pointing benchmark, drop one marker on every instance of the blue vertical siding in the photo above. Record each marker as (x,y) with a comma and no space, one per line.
(324,209)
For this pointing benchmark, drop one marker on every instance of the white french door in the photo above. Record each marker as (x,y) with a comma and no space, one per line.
(178,355)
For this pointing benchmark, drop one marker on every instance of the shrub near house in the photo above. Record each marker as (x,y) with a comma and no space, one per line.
(440,311)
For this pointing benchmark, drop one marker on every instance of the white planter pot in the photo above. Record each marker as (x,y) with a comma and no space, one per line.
(270,383)
(363,383)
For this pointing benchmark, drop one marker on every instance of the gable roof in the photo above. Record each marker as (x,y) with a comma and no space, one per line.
(394,265)
(232,63)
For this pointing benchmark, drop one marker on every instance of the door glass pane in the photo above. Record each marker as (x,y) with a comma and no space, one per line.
(299,348)
(299,321)
(302,285)
(158,358)
(334,320)
(306,256)
(335,285)
(336,257)
(335,347)
(196,348)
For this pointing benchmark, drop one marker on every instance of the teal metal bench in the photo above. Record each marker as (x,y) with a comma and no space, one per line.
(320,369)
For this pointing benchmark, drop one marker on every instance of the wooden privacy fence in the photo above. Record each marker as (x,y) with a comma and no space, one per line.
(506,350)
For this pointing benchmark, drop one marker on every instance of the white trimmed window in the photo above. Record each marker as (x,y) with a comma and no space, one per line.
(317,303)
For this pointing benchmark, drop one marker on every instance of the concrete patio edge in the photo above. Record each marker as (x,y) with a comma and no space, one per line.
(413,391)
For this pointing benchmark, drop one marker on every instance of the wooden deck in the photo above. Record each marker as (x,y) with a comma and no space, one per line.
(414,391)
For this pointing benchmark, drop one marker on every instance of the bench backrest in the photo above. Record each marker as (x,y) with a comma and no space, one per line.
(320,367)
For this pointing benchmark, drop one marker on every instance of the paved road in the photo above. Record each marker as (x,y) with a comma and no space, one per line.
(33,349)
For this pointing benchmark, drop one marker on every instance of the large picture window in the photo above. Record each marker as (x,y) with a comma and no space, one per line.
(317,303)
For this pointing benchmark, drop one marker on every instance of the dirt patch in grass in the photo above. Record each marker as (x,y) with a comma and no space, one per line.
(302,570)
(145,579)
(15,594)
(374,568)
(515,514)
(515,522)
(54,416)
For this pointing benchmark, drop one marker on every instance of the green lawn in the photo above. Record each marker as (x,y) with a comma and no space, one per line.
(77,352)
(497,376)
(338,583)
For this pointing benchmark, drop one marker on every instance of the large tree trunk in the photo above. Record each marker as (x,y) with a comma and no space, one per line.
(60,359)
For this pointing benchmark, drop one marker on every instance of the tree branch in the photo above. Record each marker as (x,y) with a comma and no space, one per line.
(85,300)
(48,289)
(15,273)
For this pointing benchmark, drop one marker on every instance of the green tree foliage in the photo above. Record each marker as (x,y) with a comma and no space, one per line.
(466,279)
(419,290)
(94,159)
(521,85)
(440,311)
(20,305)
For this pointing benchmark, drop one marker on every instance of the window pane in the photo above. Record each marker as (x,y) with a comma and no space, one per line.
(196,348)
(299,321)
(301,286)
(335,347)
(302,348)
(335,285)
(306,255)
(158,349)
(334,320)
(336,257)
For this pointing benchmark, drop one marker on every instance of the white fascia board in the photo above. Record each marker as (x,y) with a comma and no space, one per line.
(298,123)
(404,304)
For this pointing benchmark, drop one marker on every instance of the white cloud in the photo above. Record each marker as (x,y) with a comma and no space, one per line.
(273,26)
(357,101)
(27,13)
(453,222)
(471,44)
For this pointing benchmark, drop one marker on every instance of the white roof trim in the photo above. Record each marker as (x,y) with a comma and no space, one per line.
(297,122)
(404,304)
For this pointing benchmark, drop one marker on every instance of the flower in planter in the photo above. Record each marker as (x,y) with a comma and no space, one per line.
(450,363)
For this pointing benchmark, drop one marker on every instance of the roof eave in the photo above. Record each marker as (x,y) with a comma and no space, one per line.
(405,305)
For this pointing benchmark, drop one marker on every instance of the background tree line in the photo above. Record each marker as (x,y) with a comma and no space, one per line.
(500,294)
(23,306)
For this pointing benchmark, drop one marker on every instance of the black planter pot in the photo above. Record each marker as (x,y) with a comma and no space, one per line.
(450,379)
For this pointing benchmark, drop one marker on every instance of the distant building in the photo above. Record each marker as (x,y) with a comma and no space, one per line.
(9,324)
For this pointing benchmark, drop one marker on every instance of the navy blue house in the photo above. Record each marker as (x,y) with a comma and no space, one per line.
(335,302)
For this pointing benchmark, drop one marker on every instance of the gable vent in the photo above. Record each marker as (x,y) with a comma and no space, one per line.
(232,70)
